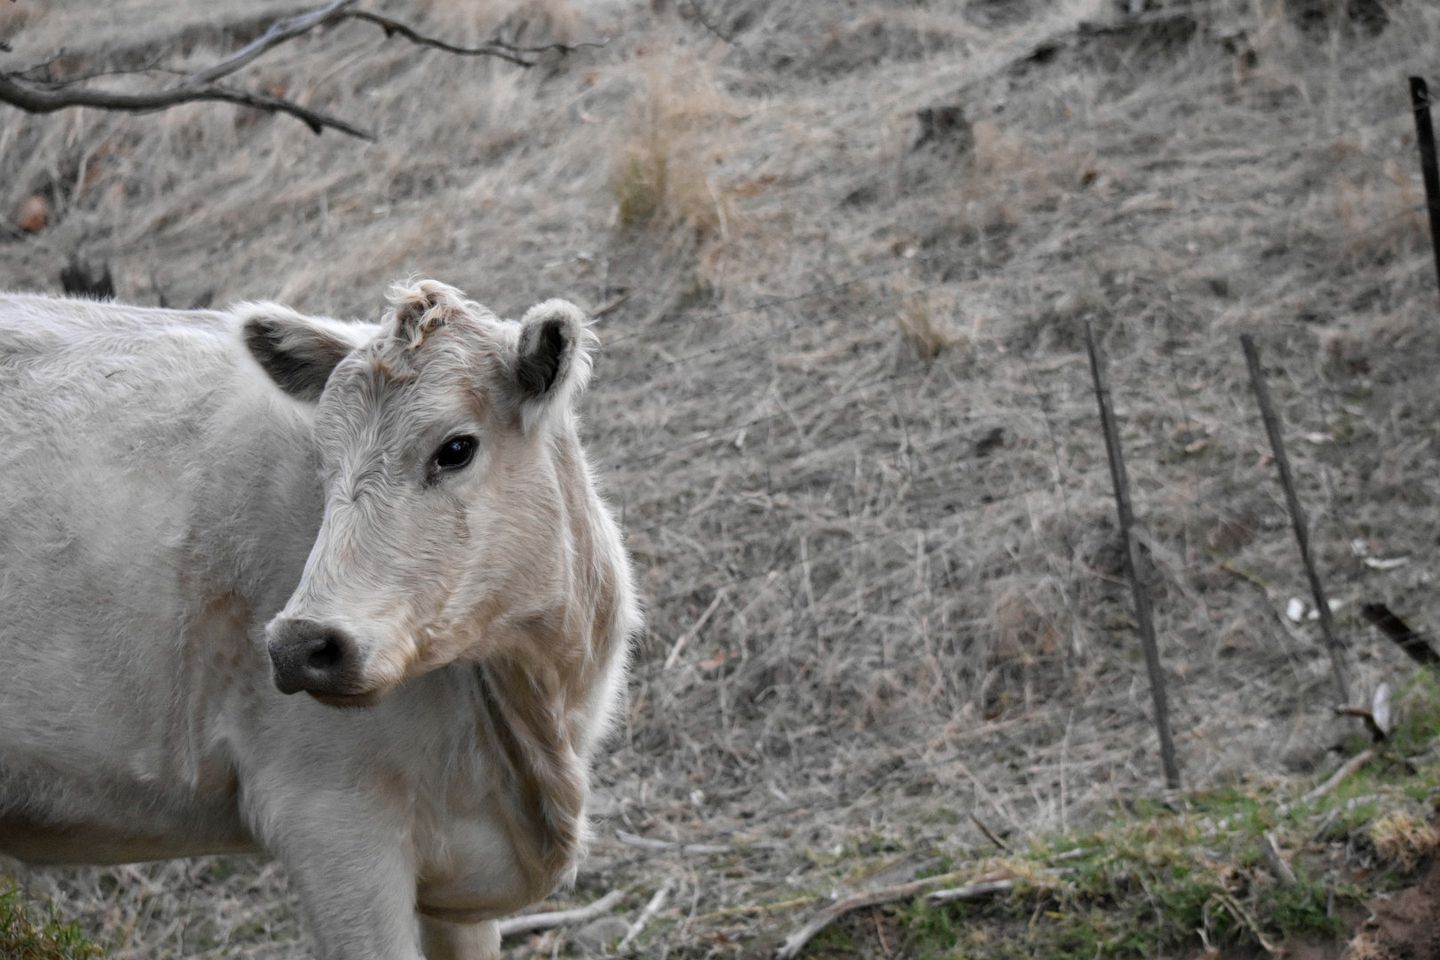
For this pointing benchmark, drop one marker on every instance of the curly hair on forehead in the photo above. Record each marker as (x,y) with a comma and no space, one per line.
(420,307)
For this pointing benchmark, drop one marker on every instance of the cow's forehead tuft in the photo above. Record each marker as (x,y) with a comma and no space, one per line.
(465,338)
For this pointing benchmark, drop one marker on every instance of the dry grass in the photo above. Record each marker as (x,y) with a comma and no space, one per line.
(1365,947)
(666,172)
(921,327)
(894,485)
(1405,840)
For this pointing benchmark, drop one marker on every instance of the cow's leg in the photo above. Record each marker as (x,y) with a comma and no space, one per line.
(460,941)
(358,896)
(346,856)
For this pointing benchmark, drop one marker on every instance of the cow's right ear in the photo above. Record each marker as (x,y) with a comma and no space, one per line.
(297,352)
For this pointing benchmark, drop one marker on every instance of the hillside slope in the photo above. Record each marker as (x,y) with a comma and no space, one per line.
(845,252)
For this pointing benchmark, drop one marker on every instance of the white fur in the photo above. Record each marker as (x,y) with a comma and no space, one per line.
(159,505)
(575,368)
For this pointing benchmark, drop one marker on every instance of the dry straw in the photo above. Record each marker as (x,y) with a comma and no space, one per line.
(893,565)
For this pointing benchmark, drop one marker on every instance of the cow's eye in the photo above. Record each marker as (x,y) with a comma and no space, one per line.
(454,453)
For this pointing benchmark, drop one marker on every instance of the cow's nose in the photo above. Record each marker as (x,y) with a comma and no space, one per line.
(313,656)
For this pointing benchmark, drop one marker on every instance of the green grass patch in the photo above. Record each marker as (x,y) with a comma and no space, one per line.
(1170,877)
(26,936)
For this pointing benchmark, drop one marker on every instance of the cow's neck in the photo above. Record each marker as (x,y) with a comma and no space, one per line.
(542,698)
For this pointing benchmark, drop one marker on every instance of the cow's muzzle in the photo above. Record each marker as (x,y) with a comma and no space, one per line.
(318,658)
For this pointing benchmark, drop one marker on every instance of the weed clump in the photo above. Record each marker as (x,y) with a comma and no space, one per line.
(663,173)
(23,936)
(1404,840)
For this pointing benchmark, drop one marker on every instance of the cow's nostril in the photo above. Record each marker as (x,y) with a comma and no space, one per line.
(313,656)
(327,655)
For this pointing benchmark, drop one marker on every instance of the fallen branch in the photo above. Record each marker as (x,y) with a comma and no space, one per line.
(1275,860)
(975,891)
(47,96)
(971,893)
(646,915)
(1000,844)
(530,922)
(1345,771)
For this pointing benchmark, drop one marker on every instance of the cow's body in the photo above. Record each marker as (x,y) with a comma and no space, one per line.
(159,497)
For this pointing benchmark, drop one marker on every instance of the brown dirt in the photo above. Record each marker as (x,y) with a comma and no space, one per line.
(1406,925)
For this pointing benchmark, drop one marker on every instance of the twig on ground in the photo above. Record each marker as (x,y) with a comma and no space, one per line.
(1346,770)
(988,835)
(970,892)
(796,941)
(1243,916)
(646,915)
(670,846)
(1275,860)
(1075,854)
(530,922)
(695,628)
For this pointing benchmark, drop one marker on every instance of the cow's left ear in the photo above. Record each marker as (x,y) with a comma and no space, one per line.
(297,352)
(553,358)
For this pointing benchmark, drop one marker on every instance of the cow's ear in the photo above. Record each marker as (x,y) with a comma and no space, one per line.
(553,359)
(297,352)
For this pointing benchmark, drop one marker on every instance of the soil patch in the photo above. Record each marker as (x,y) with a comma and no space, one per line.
(1406,925)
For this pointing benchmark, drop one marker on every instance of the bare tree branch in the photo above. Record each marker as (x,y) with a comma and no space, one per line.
(45,95)
(280,31)
(35,99)
(494,48)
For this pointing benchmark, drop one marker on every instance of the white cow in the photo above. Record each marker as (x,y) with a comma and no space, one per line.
(203,512)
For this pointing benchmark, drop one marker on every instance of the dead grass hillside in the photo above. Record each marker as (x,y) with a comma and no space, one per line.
(845,252)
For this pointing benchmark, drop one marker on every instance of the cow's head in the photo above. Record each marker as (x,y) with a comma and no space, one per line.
(449,459)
